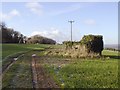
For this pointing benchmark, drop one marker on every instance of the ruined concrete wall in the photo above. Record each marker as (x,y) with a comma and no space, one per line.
(78,51)
(89,46)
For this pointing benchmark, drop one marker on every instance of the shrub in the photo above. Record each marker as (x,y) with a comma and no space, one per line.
(93,43)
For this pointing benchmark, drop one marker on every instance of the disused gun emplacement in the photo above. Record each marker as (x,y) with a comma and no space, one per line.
(88,46)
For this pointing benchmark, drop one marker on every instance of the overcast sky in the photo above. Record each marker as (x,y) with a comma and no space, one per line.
(50,19)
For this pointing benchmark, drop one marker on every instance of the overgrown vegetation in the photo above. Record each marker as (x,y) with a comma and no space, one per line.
(89,46)
(93,43)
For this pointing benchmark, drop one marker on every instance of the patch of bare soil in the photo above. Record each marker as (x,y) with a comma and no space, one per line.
(43,79)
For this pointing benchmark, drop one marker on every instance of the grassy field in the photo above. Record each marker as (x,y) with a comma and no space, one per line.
(67,72)
(11,49)
(14,50)
(110,53)
(86,73)
(19,74)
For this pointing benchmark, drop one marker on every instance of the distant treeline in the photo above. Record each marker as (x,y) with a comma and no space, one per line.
(9,35)
(113,49)
(40,39)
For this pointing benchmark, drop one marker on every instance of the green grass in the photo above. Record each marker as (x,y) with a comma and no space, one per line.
(19,75)
(11,49)
(14,50)
(87,73)
(110,53)
(76,73)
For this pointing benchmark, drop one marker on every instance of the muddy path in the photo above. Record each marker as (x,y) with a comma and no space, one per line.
(41,79)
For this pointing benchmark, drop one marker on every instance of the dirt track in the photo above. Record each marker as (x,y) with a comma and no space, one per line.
(42,79)
(11,60)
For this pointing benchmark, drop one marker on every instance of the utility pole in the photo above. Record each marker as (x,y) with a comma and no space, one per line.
(71,28)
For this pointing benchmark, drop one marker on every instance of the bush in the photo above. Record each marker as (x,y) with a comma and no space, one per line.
(93,43)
